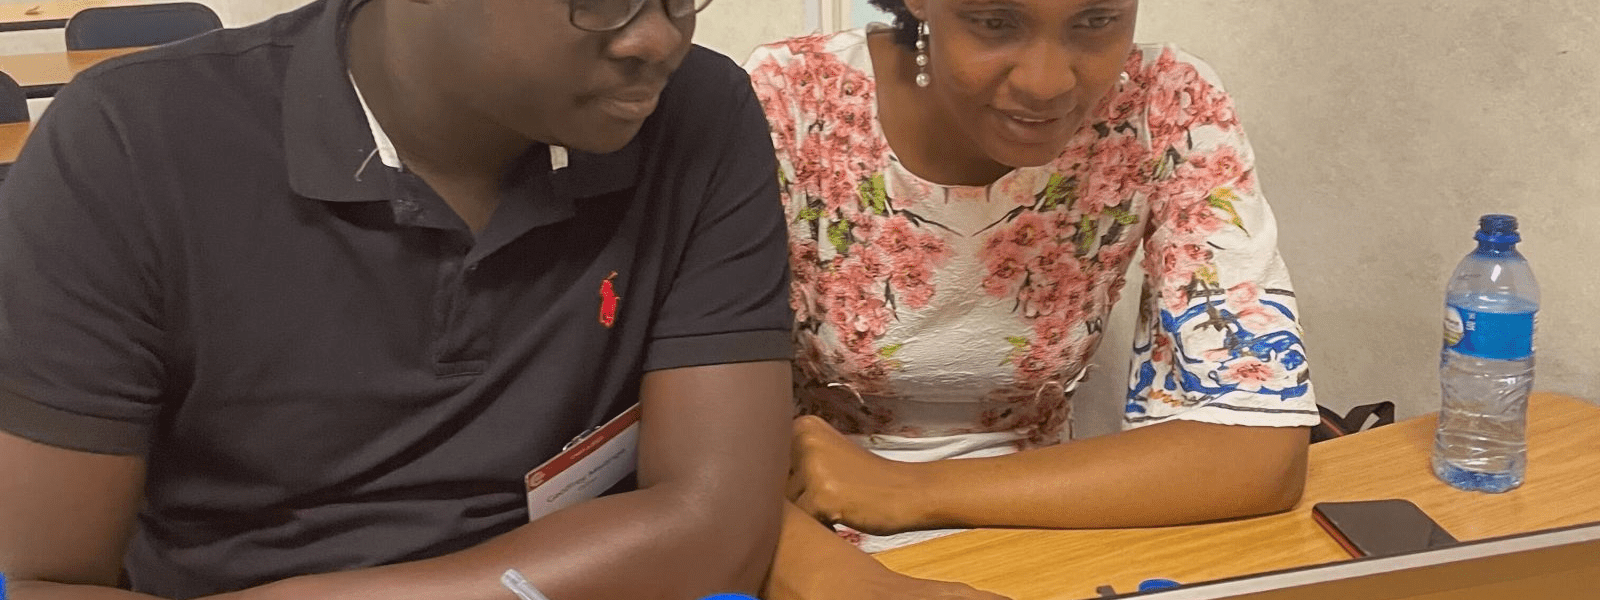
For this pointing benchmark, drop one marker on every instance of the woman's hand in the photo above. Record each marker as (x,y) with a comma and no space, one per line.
(836,481)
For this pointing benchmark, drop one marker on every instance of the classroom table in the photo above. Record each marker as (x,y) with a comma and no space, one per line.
(49,14)
(42,74)
(12,137)
(1562,488)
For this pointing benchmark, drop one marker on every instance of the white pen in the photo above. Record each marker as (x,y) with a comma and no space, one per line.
(519,585)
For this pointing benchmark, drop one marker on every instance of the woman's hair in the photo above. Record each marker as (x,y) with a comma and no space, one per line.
(905,23)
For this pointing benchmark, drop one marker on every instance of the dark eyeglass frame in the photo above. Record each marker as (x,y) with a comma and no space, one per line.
(598,22)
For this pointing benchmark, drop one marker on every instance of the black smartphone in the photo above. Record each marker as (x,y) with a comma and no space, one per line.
(1380,527)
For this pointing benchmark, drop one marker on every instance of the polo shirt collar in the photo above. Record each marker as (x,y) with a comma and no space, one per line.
(335,148)
(326,144)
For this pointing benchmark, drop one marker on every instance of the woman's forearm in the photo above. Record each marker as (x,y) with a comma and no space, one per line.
(806,550)
(1171,473)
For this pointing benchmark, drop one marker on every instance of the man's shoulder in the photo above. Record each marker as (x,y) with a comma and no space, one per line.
(239,60)
(704,83)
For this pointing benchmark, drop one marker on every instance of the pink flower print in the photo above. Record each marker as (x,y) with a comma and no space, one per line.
(1222,166)
(849,305)
(1115,256)
(1052,331)
(1217,355)
(1244,301)
(1116,167)
(1053,259)
(1259,318)
(806,45)
(1179,263)
(1027,229)
(914,285)
(1003,275)
(865,226)
(1076,154)
(1243,295)
(804,276)
(933,248)
(1178,98)
(1062,297)
(998,244)
(1160,349)
(1120,103)
(897,237)
(1138,75)
(871,371)
(873,267)
(1065,223)
(1037,365)
(1248,372)
(1195,219)
(1223,115)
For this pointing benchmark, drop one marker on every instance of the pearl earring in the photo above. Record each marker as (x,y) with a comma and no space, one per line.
(922,55)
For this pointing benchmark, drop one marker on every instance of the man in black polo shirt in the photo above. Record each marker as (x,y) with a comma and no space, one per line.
(248,343)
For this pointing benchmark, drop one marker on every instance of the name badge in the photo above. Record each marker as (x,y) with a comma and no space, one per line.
(588,466)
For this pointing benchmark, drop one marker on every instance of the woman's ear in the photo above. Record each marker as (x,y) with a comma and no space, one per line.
(918,8)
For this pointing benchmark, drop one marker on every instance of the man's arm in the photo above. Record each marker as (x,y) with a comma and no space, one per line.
(65,517)
(712,460)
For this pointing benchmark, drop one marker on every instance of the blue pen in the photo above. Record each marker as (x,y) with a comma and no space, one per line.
(513,581)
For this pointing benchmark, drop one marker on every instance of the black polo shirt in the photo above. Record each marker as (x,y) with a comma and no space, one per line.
(324,368)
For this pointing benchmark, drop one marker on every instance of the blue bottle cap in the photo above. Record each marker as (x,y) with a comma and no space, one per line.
(1497,229)
(1150,585)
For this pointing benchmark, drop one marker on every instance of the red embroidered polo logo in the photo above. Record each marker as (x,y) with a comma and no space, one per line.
(608,301)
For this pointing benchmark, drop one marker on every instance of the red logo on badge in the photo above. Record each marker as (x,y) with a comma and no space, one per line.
(608,301)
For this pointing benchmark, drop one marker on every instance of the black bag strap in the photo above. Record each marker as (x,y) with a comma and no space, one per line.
(1334,425)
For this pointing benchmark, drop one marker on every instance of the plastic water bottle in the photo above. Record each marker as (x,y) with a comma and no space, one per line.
(1486,366)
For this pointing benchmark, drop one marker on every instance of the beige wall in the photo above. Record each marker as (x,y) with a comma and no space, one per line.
(1383,128)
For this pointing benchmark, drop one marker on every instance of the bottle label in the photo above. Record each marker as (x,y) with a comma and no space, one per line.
(1491,335)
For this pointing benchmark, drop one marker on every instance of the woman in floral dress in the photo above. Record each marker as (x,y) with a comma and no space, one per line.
(965,201)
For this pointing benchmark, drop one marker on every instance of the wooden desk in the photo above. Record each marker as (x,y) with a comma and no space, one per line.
(42,74)
(1562,488)
(12,137)
(49,14)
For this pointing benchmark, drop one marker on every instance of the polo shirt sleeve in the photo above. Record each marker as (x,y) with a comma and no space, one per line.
(729,301)
(80,332)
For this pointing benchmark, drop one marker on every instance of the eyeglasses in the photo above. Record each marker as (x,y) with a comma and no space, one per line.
(601,16)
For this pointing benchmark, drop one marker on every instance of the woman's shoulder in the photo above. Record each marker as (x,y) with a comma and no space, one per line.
(848,46)
(1154,64)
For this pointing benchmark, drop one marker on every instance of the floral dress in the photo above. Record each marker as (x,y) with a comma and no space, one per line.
(939,321)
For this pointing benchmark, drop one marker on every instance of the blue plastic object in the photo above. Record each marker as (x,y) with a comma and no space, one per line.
(1486,364)
(716,597)
(1150,585)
